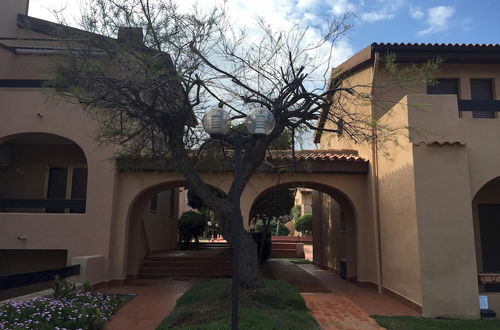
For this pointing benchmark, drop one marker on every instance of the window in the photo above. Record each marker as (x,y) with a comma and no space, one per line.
(443,86)
(153,205)
(67,183)
(481,90)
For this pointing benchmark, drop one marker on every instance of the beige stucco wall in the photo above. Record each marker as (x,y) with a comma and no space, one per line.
(397,211)
(331,243)
(419,226)
(80,234)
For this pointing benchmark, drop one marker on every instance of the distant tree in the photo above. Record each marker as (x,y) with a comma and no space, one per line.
(274,204)
(191,225)
(304,224)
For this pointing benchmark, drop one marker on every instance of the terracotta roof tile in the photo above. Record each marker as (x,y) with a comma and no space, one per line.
(317,155)
(440,143)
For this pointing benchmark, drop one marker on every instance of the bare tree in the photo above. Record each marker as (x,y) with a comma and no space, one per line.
(149,88)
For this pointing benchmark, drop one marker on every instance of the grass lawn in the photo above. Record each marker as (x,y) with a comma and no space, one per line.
(418,323)
(207,306)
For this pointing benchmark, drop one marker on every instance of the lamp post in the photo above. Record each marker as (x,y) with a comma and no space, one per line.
(216,122)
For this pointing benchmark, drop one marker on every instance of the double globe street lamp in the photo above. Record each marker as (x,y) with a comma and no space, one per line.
(217,122)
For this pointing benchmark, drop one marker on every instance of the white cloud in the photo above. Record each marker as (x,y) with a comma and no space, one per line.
(416,12)
(340,7)
(438,20)
(385,10)
(306,3)
(374,16)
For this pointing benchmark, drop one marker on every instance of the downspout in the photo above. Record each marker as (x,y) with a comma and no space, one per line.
(375,189)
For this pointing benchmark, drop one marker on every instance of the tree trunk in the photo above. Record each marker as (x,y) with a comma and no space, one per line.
(250,276)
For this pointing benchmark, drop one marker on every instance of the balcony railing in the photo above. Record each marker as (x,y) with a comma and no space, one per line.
(18,280)
(479,105)
(56,205)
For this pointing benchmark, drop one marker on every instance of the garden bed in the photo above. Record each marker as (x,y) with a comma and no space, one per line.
(66,309)
(208,305)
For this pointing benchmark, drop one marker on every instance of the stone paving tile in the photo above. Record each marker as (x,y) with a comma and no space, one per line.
(339,313)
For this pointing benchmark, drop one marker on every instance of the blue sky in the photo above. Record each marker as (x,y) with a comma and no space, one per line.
(429,21)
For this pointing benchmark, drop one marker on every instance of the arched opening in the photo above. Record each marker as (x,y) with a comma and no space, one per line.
(42,173)
(486,217)
(153,223)
(334,226)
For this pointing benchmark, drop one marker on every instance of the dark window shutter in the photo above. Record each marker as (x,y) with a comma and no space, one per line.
(481,89)
(58,177)
(79,187)
(443,86)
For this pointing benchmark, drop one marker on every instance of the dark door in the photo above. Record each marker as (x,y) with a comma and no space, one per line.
(489,224)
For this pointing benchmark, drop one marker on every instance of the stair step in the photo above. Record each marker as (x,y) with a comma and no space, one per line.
(186,260)
(284,254)
(163,275)
(166,269)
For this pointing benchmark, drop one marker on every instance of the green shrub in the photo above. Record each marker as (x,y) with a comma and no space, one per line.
(191,224)
(304,224)
(282,229)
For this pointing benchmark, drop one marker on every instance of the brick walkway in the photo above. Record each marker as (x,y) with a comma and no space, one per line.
(367,299)
(338,313)
(155,300)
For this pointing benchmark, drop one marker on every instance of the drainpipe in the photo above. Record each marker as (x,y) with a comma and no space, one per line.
(375,191)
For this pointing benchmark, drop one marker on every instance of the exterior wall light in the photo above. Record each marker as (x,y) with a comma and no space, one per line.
(260,121)
(216,122)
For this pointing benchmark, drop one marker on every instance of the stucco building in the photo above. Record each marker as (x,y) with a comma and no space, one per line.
(434,185)
(417,220)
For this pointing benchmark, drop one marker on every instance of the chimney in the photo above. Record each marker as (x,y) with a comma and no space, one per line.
(8,16)
(131,35)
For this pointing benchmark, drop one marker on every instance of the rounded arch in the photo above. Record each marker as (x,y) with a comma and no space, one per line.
(335,193)
(334,248)
(42,173)
(40,138)
(143,237)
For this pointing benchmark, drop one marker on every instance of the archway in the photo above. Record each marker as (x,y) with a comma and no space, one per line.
(334,227)
(42,173)
(152,222)
(486,217)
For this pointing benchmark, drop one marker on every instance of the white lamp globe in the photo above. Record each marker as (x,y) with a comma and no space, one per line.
(216,121)
(260,121)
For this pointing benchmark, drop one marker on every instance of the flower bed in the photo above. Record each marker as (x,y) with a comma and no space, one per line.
(74,310)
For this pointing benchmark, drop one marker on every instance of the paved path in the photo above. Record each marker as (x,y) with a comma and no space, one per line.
(337,312)
(335,303)
(366,299)
(155,300)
